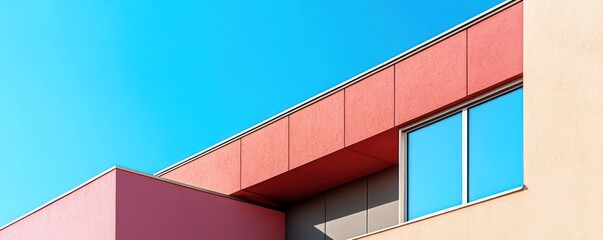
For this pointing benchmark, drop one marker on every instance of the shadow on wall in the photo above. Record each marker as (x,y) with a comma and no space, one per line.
(364,205)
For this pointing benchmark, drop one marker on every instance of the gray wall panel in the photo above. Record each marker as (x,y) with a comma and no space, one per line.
(365,205)
(346,210)
(383,199)
(305,220)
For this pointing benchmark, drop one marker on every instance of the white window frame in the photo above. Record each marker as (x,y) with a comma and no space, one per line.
(403,152)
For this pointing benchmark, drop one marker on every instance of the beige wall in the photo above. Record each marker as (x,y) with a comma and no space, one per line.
(563,104)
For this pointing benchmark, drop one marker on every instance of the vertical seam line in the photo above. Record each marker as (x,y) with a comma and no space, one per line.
(394,95)
(467,62)
(367,206)
(325,214)
(344,127)
(288,143)
(240,164)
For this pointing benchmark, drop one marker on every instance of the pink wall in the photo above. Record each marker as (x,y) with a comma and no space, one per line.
(148,208)
(431,79)
(369,116)
(495,50)
(126,205)
(218,171)
(265,153)
(316,130)
(369,106)
(86,213)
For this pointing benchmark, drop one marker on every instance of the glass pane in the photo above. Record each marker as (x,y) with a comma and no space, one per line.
(496,145)
(434,167)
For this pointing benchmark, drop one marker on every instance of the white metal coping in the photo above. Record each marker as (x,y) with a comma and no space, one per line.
(127,170)
(406,54)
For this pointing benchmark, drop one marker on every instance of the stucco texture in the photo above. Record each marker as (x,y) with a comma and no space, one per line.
(265,153)
(86,213)
(218,171)
(563,137)
(148,208)
(431,79)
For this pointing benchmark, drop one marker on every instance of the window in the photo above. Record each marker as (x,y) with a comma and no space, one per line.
(470,155)
(434,177)
(496,145)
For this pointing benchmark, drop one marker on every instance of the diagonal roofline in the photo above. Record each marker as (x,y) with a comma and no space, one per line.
(115,168)
(92,179)
(404,55)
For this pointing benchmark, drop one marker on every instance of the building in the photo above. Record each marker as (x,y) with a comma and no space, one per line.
(492,130)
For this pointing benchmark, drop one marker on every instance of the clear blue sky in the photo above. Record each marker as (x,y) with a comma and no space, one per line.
(85,85)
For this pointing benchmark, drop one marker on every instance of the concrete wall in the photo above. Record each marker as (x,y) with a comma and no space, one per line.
(350,210)
(346,210)
(86,213)
(563,137)
(382,199)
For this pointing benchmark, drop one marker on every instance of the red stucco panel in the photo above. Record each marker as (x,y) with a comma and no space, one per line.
(431,79)
(317,130)
(495,49)
(265,153)
(218,171)
(86,213)
(369,106)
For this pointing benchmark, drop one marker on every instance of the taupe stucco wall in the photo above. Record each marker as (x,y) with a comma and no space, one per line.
(563,137)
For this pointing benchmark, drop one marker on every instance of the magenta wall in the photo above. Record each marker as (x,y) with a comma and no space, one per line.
(126,205)
(86,213)
(148,208)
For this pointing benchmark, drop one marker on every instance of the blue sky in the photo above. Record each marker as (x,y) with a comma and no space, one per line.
(85,85)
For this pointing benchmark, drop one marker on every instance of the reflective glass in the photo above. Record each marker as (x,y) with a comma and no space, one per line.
(496,145)
(434,167)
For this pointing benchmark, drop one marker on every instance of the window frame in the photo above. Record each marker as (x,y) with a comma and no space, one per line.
(462,108)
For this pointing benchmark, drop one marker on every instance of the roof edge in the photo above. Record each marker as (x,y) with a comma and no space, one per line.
(406,54)
(114,168)
(92,179)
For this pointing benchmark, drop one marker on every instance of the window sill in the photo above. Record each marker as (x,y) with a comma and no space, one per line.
(447,210)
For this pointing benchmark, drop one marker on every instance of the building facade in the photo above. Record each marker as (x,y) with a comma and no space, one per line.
(491,130)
